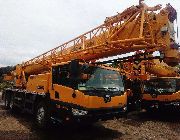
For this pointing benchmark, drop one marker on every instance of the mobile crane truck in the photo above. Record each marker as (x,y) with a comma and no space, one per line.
(153,80)
(62,85)
(160,87)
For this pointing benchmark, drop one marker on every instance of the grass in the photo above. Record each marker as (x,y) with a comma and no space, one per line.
(4,85)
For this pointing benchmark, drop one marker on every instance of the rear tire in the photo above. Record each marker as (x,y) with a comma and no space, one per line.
(8,101)
(151,110)
(42,116)
(5,102)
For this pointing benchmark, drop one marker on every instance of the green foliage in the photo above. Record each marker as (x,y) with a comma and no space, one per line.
(178,66)
(4,85)
(5,70)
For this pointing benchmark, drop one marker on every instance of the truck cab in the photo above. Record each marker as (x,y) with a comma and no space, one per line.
(87,91)
(162,91)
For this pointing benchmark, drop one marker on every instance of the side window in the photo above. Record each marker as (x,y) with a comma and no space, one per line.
(60,75)
(64,78)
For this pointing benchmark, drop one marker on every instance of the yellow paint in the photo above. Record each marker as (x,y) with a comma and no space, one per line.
(87,101)
(163,98)
(36,81)
(65,93)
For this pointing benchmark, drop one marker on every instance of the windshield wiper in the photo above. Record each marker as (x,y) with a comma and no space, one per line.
(116,89)
(91,87)
(112,88)
(97,88)
(102,88)
(109,88)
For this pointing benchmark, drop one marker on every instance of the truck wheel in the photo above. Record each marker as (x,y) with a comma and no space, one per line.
(151,110)
(42,116)
(5,102)
(8,101)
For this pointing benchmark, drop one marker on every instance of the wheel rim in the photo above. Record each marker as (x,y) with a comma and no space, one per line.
(5,102)
(40,115)
(11,105)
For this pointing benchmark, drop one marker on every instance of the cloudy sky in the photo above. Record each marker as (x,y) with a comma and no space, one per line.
(31,27)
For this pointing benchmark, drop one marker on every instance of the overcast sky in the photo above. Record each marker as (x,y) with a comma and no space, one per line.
(31,27)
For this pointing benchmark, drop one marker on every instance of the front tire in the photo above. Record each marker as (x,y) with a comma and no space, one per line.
(8,101)
(42,116)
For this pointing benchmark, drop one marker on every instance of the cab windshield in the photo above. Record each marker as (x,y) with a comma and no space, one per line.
(161,85)
(102,79)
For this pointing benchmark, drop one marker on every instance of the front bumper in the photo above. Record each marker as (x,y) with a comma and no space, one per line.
(158,104)
(101,115)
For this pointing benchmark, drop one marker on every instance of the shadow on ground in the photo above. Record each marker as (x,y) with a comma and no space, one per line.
(70,132)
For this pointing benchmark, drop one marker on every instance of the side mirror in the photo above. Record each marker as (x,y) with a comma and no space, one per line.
(85,76)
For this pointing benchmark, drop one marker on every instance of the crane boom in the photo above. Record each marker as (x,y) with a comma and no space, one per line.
(129,31)
(88,42)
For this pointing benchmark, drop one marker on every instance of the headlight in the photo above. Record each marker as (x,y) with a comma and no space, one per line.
(77,112)
(125,108)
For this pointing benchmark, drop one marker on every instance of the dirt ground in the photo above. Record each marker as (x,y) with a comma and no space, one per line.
(160,126)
